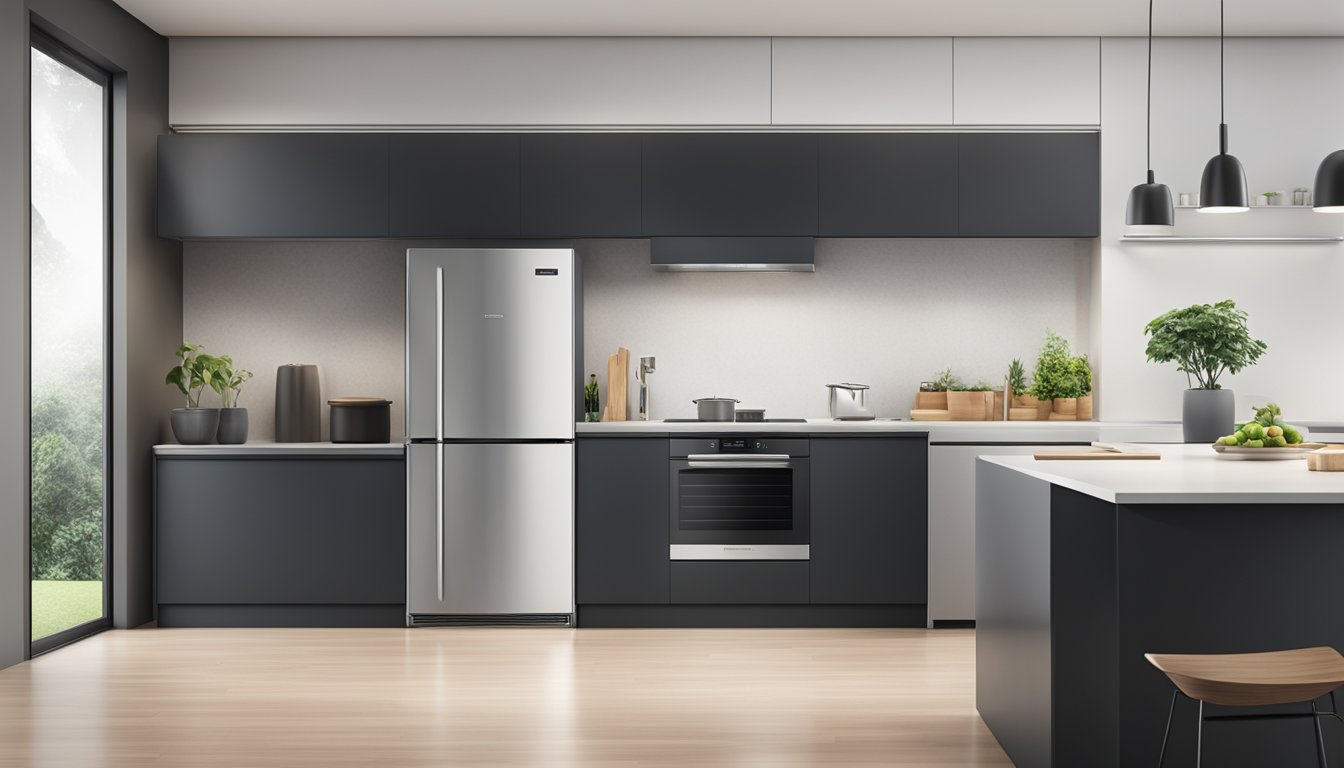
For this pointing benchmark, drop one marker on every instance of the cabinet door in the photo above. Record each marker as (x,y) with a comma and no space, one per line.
(730,184)
(888,185)
(621,521)
(280,531)
(1027,80)
(869,520)
(272,185)
(1029,185)
(580,185)
(454,185)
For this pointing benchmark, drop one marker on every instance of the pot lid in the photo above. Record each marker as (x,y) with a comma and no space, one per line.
(716,400)
(359,401)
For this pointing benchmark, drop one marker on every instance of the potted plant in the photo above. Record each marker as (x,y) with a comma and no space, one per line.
(1056,382)
(1205,341)
(591,398)
(194,372)
(1082,376)
(229,381)
(932,395)
(970,402)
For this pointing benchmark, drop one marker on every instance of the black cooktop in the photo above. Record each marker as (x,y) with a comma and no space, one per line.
(765,421)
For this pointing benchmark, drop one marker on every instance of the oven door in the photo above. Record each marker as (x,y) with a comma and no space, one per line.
(740,507)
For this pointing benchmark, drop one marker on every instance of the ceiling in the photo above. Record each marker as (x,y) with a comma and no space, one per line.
(751,18)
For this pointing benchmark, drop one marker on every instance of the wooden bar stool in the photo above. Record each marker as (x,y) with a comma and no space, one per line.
(1298,676)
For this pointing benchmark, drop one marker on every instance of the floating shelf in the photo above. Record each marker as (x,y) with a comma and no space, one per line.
(1231,239)
(1253,208)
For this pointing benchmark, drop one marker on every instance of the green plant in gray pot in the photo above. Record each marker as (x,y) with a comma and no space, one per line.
(1205,341)
(194,372)
(229,381)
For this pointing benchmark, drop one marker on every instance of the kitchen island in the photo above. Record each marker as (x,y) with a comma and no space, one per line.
(1083,566)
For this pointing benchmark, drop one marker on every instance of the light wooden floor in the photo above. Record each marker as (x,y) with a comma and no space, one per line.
(498,697)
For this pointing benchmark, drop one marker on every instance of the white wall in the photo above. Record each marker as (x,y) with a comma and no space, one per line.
(1281,123)
(339,304)
(888,313)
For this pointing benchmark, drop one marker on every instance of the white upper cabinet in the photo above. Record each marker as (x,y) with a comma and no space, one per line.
(1027,81)
(469,81)
(862,81)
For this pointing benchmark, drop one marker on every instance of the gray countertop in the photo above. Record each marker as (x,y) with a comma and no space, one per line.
(282,449)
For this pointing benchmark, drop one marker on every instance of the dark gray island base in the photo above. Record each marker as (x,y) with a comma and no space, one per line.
(1074,587)
(264,536)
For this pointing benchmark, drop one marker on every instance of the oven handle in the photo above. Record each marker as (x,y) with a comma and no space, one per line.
(727,458)
(762,462)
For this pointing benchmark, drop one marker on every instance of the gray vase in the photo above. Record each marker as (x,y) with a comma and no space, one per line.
(232,426)
(195,426)
(1207,414)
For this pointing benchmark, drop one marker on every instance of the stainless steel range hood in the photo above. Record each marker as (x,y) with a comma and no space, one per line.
(732,254)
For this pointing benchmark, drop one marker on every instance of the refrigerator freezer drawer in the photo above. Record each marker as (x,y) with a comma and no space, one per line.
(490,529)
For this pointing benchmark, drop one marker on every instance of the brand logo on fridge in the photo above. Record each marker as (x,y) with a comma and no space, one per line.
(493,317)
(738,549)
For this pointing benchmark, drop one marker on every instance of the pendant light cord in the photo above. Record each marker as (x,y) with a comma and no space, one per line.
(1149,148)
(1222,110)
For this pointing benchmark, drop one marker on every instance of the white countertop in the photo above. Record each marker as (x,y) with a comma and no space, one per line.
(1187,474)
(282,449)
(939,431)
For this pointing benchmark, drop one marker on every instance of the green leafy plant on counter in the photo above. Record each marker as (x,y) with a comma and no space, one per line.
(1017,377)
(1054,374)
(1081,369)
(1205,341)
(195,371)
(228,381)
(946,381)
(982,385)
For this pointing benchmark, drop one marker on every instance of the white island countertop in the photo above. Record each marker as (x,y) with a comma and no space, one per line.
(1186,474)
(972,432)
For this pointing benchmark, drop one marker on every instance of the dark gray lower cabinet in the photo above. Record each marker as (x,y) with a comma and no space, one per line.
(870,519)
(869,537)
(621,512)
(303,541)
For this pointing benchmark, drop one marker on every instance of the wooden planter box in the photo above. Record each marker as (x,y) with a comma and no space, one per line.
(970,406)
(1028,408)
(1065,409)
(930,401)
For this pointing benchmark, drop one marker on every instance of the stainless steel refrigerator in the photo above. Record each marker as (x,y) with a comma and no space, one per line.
(490,409)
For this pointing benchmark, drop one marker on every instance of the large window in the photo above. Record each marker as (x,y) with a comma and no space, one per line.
(68,321)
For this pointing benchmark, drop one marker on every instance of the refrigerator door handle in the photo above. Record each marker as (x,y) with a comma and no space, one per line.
(438,354)
(438,513)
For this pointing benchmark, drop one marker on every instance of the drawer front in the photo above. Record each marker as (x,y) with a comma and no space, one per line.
(741,583)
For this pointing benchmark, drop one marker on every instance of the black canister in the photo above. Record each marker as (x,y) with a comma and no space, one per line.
(298,404)
(361,420)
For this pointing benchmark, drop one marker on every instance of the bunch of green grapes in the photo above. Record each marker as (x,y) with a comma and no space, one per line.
(1267,430)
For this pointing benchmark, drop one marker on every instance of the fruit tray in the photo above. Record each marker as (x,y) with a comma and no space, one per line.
(1242,453)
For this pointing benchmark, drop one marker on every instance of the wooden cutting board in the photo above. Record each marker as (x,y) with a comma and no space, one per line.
(618,376)
(1094,453)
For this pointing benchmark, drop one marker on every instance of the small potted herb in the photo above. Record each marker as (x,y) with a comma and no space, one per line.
(591,406)
(932,395)
(970,402)
(1082,376)
(194,372)
(1205,341)
(229,381)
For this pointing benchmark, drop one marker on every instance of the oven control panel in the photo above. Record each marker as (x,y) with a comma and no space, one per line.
(741,444)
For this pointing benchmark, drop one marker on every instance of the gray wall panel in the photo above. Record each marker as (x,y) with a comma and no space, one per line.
(147,321)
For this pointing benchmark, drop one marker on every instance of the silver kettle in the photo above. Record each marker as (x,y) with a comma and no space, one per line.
(849,402)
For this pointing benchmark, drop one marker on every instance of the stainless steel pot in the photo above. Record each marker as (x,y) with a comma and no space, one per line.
(716,408)
(849,402)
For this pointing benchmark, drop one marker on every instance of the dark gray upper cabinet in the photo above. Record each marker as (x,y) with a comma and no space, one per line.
(455,185)
(265,531)
(581,185)
(621,533)
(1029,185)
(730,184)
(273,185)
(888,185)
(870,520)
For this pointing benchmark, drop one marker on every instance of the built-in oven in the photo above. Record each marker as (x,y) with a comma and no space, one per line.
(741,498)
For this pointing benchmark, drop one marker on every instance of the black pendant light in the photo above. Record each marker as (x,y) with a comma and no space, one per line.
(1328,197)
(1222,189)
(1150,204)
